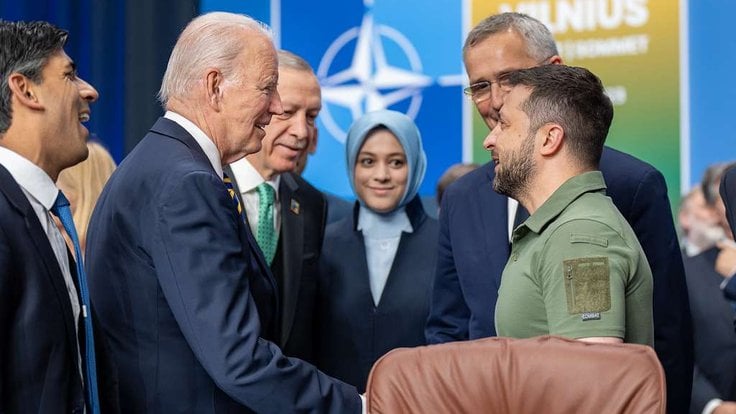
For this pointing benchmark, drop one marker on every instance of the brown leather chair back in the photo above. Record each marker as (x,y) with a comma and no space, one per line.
(546,374)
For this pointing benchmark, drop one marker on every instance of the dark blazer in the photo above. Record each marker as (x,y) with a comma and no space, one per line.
(183,291)
(303,217)
(715,342)
(474,248)
(353,332)
(728,194)
(39,364)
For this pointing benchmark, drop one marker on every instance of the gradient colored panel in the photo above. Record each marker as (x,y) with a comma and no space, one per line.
(633,46)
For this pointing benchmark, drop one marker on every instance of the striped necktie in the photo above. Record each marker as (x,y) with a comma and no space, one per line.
(236,200)
(63,212)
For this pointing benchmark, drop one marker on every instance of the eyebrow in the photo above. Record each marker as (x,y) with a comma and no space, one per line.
(393,154)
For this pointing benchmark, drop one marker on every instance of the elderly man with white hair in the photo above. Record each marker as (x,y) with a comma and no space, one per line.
(184,292)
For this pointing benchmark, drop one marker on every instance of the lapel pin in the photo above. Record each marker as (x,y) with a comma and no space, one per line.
(294,207)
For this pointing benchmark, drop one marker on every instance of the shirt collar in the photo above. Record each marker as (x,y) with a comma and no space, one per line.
(568,192)
(205,142)
(248,178)
(30,177)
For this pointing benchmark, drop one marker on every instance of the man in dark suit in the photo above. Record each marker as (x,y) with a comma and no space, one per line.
(728,195)
(475,222)
(298,210)
(714,382)
(184,292)
(44,366)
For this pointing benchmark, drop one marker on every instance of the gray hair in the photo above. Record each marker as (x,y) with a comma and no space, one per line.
(289,60)
(538,39)
(207,41)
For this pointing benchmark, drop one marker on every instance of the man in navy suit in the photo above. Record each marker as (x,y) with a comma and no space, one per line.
(184,291)
(476,222)
(43,104)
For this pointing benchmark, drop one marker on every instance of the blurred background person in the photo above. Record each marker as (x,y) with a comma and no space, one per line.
(714,380)
(450,175)
(699,227)
(82,185)
(377,264)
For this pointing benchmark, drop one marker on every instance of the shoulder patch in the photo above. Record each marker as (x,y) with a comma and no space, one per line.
(588,238)
(587,285)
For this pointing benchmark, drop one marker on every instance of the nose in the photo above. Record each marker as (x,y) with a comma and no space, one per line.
(299,127)
(381,172)
(275,107)
(87,91)
(489,143)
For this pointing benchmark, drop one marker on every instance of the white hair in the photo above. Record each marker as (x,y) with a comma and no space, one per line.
(208,41)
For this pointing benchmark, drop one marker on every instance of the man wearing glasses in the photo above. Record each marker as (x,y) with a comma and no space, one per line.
(476,222)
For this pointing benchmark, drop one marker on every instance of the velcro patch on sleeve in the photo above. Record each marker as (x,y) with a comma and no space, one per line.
(587,285)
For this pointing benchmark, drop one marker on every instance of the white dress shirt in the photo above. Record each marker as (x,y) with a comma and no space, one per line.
(248,180)
(381,235)
(205,143)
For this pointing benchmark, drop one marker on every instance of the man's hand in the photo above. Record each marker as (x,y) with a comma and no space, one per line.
(726,260)
(726,407)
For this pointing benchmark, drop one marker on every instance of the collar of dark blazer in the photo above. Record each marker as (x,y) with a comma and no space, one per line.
(13,192)
(414,210)
(169,128)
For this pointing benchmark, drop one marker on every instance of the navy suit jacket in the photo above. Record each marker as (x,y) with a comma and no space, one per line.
(183,291)
(728,194)
(39,363)
(715,342)
(474,248)
(353,332)
(295,266)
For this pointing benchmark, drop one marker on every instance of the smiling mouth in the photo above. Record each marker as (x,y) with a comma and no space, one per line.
(84,117)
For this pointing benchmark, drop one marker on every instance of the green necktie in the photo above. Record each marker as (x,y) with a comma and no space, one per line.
(266,235)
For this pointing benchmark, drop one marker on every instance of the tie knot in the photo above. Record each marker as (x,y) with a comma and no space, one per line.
(265,193)
(60,203)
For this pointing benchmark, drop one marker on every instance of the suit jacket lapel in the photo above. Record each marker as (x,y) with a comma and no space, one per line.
(292,232)
(172,129)
(46,254)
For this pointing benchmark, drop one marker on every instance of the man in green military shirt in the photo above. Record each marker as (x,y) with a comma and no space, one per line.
(576,267)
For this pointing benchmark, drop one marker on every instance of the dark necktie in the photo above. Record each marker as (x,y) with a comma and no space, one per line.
(63,212)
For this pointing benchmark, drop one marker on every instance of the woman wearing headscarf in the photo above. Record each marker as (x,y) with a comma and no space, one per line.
(377,264)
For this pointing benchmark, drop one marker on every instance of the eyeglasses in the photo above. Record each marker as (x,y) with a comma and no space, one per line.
(481,91)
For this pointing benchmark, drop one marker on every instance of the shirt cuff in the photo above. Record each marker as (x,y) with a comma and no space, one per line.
(711,406)
(363,404)
(725,282)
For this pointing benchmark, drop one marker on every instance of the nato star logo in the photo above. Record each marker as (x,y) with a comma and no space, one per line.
(371,82)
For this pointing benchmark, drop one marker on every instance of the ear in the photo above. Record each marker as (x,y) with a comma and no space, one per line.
(552,139)
(23,91)
(214,82)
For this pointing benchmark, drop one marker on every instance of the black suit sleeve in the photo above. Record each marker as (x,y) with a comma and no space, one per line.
(449,314)
(703,392)
(201,264)
(652,221)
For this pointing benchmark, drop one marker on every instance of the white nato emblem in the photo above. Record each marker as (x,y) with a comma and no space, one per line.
(370,82)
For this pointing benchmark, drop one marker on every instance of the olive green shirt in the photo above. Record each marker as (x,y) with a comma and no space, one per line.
(577,270)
